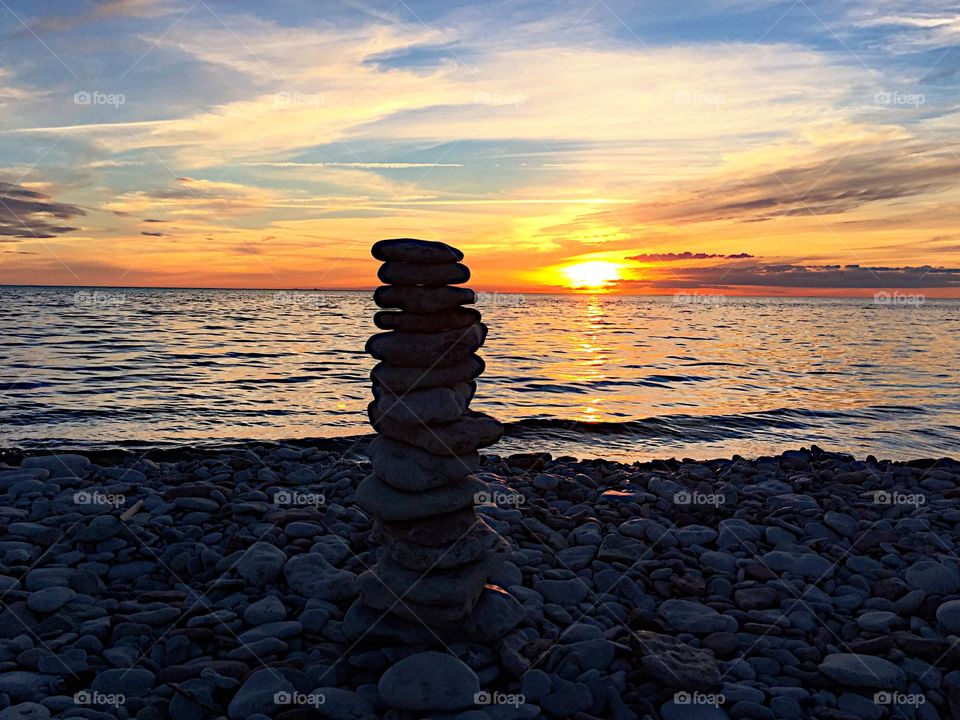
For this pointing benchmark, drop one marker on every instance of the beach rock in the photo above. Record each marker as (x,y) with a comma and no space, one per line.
(440,531)
(470,432)
(458,317)
(387,503)
(674,663)
(933,577)
(257,693)
(267,610)
(427,350)
(867,671)
(435,405)
(948,615)
(805,564)
(480,539)
(340,704)
(429,681)
(311,576)
(423,300)
(411,469)
(674,710)
(400,380)
(51,599)
(693,617)
(407,274)
(25,711)
(261,564)
(62,465)
(409,250)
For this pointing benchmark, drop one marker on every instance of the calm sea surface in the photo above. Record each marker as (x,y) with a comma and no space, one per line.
(592,376)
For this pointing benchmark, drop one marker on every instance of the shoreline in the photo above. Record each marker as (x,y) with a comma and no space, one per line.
(801,585)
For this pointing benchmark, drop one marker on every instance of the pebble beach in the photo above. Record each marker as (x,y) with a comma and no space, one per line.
(222,583)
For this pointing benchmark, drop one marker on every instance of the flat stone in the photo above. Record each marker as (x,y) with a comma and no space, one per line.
(261,564)
(340,704)
(948,615)
(458,317)
(61,465)
(479,540)
(426,350)
(25,711)
(866,671)
(311,576)
(282,630)
(400,380)
(674,710)
(410,250)
(933,577)
(693,617)
(409,274)
(878,621)
(389,581)
(429,681)
(51,599)
(470,432)
(132,682)
(422,299)
(808,564)
(269,609)
(411,469)
(441,530)
(676,664)
(495,613)
(567,593)
(256,695)
(434,405)
(387,503)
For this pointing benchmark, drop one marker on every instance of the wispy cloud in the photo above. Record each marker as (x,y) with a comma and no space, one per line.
(26,213)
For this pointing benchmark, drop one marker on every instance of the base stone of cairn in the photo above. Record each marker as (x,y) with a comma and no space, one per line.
(437,553)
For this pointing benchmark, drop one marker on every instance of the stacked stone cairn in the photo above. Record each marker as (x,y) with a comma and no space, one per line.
(438,554)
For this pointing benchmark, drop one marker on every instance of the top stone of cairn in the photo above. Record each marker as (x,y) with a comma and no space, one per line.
(424,252)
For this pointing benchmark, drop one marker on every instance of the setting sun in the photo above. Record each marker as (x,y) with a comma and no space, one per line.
(594,275)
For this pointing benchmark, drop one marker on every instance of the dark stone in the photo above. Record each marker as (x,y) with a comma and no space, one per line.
(441,530)
(424,557)
(399,380)
(409,274)
(386,502)
(427,252)
(409,349)
(434,405)
(458,317)
(422,299)
(470,432)
(411,469)
(674,663)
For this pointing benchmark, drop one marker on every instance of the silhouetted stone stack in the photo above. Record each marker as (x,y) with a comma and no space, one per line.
(438,553)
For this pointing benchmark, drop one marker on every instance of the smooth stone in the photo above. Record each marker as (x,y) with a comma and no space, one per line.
(50,599)
(399,380)
(693,617)
(25,711)
(933,577)
(948,615)
(563,592)
(458,317)
(311,576)
(256,695)
(495,613)
(806,564)
(411,469)
(387,503)
(62,465)
(458,587)
(470,432)
(411,250)
(878,621)
(269,609)
(132,682)
(426,350)
(434,405)
(673,710)
(20,685)
(429,681)
(282,630)
(261,564)
(422,299)
(410,274)
(441,530)
(480,539)
(340,704)
(866,671)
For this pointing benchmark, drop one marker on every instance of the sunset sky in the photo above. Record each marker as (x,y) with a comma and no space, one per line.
(735,146)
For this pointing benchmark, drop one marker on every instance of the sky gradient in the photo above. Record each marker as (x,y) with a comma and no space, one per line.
(734,146)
